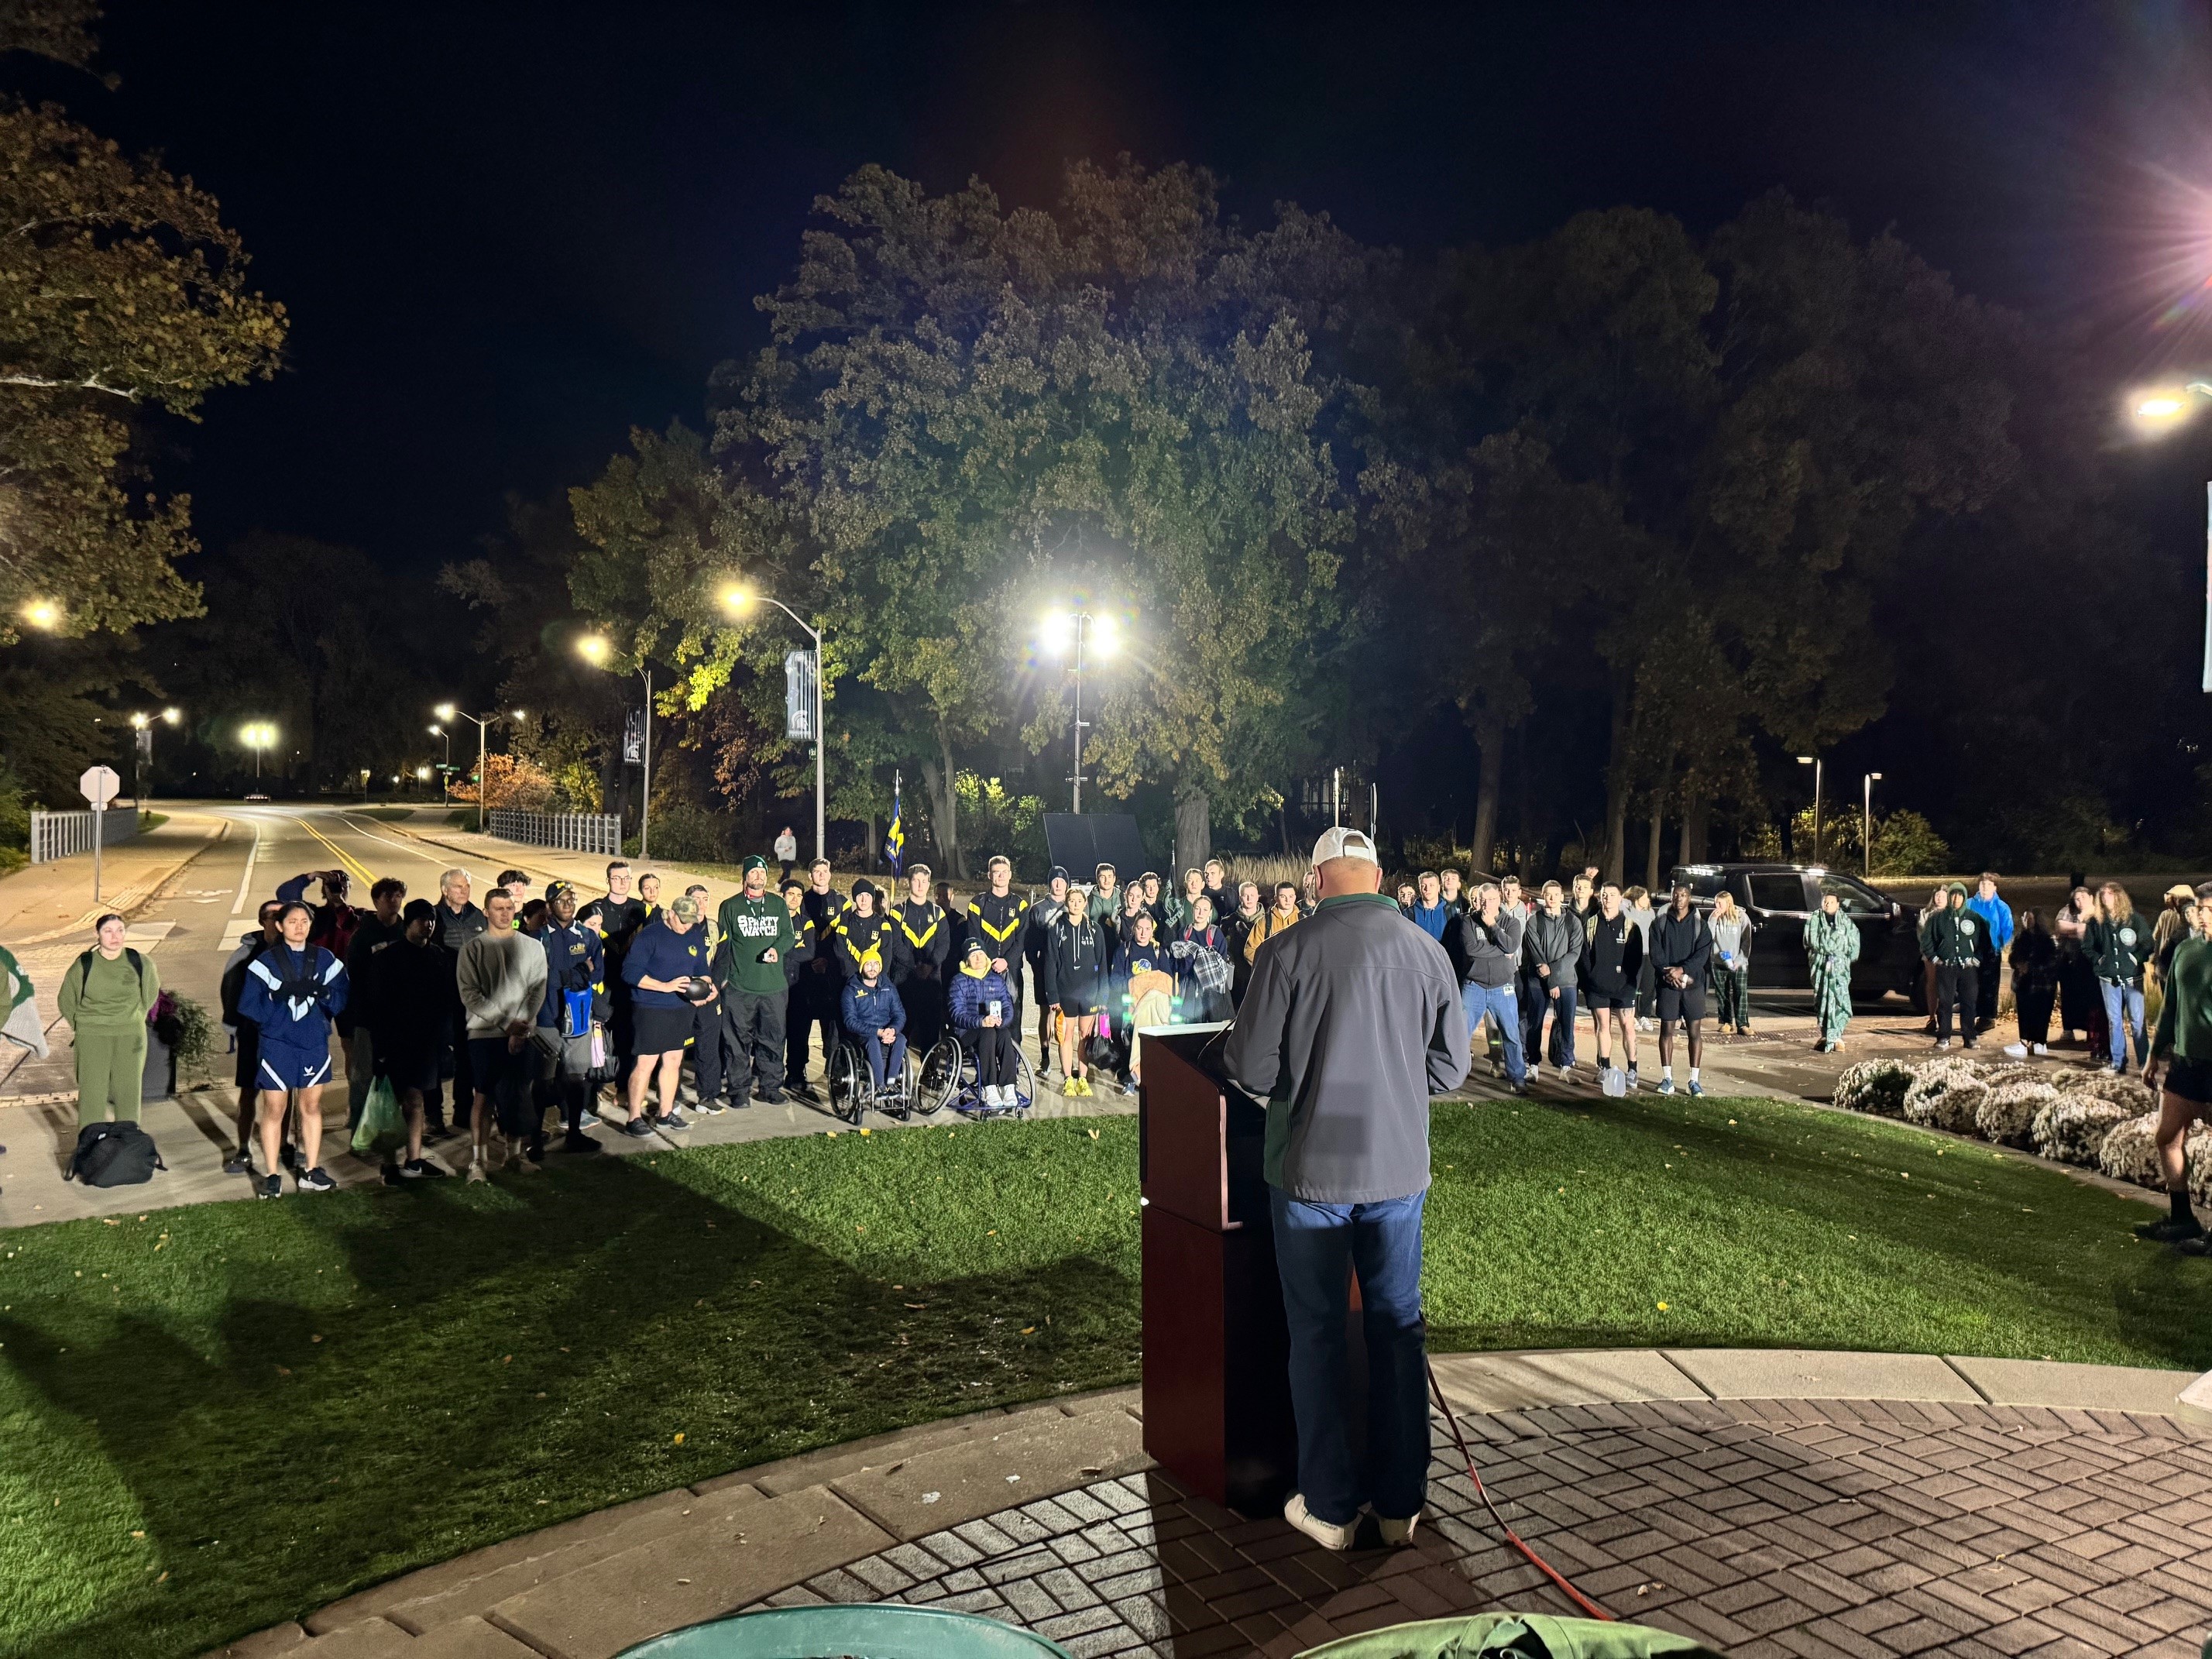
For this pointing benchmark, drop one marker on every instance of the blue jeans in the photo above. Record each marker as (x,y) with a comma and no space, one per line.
(1317,1246)
(1504,1011)
(2130,998)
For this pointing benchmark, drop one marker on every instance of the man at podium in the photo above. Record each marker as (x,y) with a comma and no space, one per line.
(1353,1021)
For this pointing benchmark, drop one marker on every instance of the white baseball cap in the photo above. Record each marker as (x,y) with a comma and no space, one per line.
(1343,842)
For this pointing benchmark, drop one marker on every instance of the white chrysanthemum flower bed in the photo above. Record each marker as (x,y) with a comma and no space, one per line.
(2083,1116)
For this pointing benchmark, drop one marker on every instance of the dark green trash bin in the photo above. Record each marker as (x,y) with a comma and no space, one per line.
(879,1629)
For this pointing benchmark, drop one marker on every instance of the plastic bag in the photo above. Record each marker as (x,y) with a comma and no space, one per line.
(383,1127)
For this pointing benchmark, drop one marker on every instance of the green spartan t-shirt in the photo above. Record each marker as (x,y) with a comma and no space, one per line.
(2185,1021)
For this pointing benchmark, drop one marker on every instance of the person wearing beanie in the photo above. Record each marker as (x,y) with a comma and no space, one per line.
(750,963)
(861,929)
(874,1018)
(1951,939)
(982,1007)
(573,1018)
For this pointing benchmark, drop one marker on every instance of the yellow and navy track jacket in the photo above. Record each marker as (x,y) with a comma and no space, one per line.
(925,938)
(998,922)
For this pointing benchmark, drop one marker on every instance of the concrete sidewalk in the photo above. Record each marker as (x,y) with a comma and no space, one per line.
(1769,1504)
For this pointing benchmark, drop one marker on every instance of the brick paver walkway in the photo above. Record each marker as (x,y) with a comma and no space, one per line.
(1760,1528)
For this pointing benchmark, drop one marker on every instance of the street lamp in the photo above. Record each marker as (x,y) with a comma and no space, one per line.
(1814,761)
(43,614)
(597,650)
(1066,633)
(736,599)
(2158,412)
(142,747)
(446,771)
(1866,826)
(449,712)
(259,736)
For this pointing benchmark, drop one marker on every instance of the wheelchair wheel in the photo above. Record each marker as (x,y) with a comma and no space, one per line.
(848,1088)
(942,1075)
(1025,1084)
(899,1097)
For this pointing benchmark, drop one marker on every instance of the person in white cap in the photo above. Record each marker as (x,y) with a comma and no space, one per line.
(1352,1023)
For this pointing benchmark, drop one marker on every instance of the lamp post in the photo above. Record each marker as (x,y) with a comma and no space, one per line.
(449,712)
(445,772)
(737,599)
(1067,635)
(1866,826)
(142,747)
(1814,761)
(2160,411)
(258,736)
(594,649)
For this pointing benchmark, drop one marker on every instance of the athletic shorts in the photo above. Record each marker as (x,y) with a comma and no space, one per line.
(1681,1001)
(1076,1009)
(405,1072)
(280,1070)
(1598,1001)
(661,1030)
(2191,1080)
(491,1063)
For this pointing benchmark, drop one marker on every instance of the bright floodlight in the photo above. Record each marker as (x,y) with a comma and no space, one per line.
(43,614)
(421,772)
(520,715)
(2164,408)
(1059,631)
(172,715)
(594,649)
(445,711)
(139,721)
(735,597)
(1105,636)
(435,731)
(259,735)
(1804,759)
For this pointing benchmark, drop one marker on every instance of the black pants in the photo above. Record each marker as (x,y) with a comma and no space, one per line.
(995,1047)
(1046,1048)
(1956,985)
(706,1048)
(2033,1009)
(1985,1000)
(813,1002)
(752,1030)
(924,1002)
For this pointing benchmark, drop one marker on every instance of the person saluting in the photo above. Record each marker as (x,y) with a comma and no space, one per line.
(1352,1021)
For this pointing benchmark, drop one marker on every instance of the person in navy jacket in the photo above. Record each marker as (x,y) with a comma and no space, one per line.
(292,993)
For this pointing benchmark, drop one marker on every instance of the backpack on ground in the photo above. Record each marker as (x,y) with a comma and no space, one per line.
(113,1155)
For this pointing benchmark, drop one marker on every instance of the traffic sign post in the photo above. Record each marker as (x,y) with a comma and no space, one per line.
(98,785)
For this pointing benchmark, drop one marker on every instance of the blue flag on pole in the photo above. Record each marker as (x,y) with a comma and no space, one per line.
(895,838)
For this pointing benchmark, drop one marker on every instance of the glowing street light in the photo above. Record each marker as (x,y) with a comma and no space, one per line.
(1070,634)
(1814,761)
(43,614)
(737,600)
(1866,826)
(594,649)
(259,736)
(2161,411)
(451,712)
(142,747)
(598,650)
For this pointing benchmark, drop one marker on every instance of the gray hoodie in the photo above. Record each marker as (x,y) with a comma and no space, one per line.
(1556,941)
(1731,940)
(1352,1023)
(502,979)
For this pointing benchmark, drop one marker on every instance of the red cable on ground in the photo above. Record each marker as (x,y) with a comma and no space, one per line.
(1511,1536)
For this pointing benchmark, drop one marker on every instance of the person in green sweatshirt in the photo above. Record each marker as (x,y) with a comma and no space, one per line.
(106,996)
(2181,1049)
(755,938)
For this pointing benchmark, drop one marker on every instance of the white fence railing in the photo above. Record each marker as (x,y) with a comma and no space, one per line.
(571,832)
(64,835)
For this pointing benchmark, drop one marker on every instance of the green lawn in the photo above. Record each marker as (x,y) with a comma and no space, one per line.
(292,1401)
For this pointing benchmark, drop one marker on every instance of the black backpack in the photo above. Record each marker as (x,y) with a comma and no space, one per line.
(84,968)
(114,1155)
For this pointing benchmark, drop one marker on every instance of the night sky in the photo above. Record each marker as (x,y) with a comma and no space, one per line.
(506,234)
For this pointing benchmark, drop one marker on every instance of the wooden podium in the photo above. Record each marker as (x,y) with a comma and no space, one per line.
(1217,1351)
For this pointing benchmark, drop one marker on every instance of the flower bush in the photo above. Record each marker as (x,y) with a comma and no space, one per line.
(1946,1094)
(2129,1151)
(2008,1112)
(1874,1086)
(2100,1084)
(2074,1116)
(2072,1129)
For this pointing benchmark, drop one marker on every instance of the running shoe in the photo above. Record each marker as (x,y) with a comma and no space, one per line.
(714,1108)
(2170,1230)
(675,1119)
(639,1127)
(1666,1086)
(420,1169)
(2042,1051)
(578,1141)
(316,1179)
(269,1186)
(239,1165)
(1697,1088)
(588,1119)
(2199,1245)
(770,1096)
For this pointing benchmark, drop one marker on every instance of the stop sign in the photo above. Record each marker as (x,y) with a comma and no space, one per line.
(99,785)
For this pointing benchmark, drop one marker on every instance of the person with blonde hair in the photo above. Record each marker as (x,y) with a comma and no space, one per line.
(2117,942)
(1731,969)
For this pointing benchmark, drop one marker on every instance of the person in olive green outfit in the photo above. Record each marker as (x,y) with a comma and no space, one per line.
(106,995)
(1951,939)
(2182,1050)
(1832,945)
(756,938)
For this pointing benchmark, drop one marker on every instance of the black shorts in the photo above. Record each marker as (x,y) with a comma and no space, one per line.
(661,1030)
(1598,1001)
(1681,1001)
(411,1071)
(249,1055)
(491,1063)
(2191,1080)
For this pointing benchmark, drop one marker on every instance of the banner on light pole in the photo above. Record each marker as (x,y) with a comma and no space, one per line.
(633,737)
(799,696)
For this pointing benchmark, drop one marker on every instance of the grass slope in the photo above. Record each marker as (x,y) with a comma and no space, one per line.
(221,1416)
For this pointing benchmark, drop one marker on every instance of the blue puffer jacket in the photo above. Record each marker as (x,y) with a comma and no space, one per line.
(869,1008)
(972,996)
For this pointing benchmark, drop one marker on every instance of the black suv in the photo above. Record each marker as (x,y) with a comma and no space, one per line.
(1779,896)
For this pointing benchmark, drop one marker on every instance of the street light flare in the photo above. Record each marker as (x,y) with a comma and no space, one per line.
(1058,632)
(594,649)
(2159,409)
(736,598)
(43,614)
(1105,636)
(172,715)
(445,711)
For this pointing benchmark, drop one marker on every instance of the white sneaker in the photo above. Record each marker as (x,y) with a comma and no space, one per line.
(2042,1051)
(1396,1533)
(1328,1536)
(2015,1051)
(991,1093)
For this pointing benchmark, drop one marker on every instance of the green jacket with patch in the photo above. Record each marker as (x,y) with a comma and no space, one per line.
(2118,950)
(1952,939)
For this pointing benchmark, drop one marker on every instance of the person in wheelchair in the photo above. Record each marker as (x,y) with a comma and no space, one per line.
(982,1006)
(875,1021)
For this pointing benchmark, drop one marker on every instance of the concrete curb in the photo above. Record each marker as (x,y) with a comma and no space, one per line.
(586,1588)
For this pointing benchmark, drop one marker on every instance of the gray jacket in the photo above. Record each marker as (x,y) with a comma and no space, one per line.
(1731,938)
(1353,1021)
(1556,941)
(1489,954)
